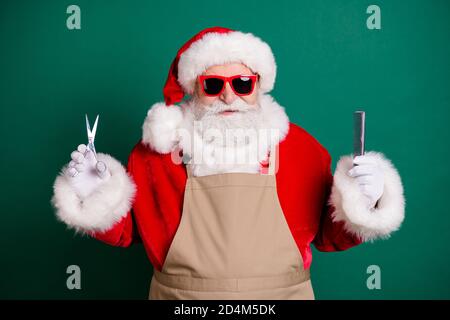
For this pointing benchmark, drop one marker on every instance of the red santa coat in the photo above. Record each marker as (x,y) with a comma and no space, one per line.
(144,201)
(304,182)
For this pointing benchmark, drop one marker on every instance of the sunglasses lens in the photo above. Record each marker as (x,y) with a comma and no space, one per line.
(242,85)
(212,85)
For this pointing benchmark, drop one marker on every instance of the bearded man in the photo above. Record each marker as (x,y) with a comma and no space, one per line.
(225,193)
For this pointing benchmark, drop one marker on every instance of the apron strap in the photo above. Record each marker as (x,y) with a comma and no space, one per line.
(273,157)
(189,170)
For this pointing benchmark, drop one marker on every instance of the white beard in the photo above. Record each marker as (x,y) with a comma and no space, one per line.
(246,117)
(237,142)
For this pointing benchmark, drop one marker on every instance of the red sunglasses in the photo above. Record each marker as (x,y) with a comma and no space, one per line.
(242,85)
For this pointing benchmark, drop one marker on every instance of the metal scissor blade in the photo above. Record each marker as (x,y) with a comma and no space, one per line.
(88,127)
(91,136)
(94,129)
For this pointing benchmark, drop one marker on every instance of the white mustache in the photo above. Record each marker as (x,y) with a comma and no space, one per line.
(218,107)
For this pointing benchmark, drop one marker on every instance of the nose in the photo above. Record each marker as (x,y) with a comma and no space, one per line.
(228,95)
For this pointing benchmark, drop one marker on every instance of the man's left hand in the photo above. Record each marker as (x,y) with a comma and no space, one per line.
(369,177)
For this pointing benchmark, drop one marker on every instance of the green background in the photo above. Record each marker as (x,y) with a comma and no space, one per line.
(329,64)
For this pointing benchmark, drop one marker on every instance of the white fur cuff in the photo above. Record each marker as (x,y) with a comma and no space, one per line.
(351,207)
(159,129)
(100,210)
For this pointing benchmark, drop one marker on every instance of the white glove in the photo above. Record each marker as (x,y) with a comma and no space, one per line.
(85,174)
(369,177)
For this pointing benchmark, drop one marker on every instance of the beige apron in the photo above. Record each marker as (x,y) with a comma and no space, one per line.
(233,242)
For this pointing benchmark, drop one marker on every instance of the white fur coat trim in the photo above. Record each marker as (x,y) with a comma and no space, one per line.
(103,208)
(221,48)
(160,127)
(350,205)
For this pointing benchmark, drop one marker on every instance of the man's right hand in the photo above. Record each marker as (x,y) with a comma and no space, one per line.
(85,173)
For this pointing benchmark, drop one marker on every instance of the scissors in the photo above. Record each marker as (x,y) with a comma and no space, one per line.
(91,137)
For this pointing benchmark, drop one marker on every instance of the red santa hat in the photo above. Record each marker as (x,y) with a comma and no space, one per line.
(215,46)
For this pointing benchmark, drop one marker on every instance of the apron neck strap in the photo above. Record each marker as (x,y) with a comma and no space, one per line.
(273,157)
(189,170)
